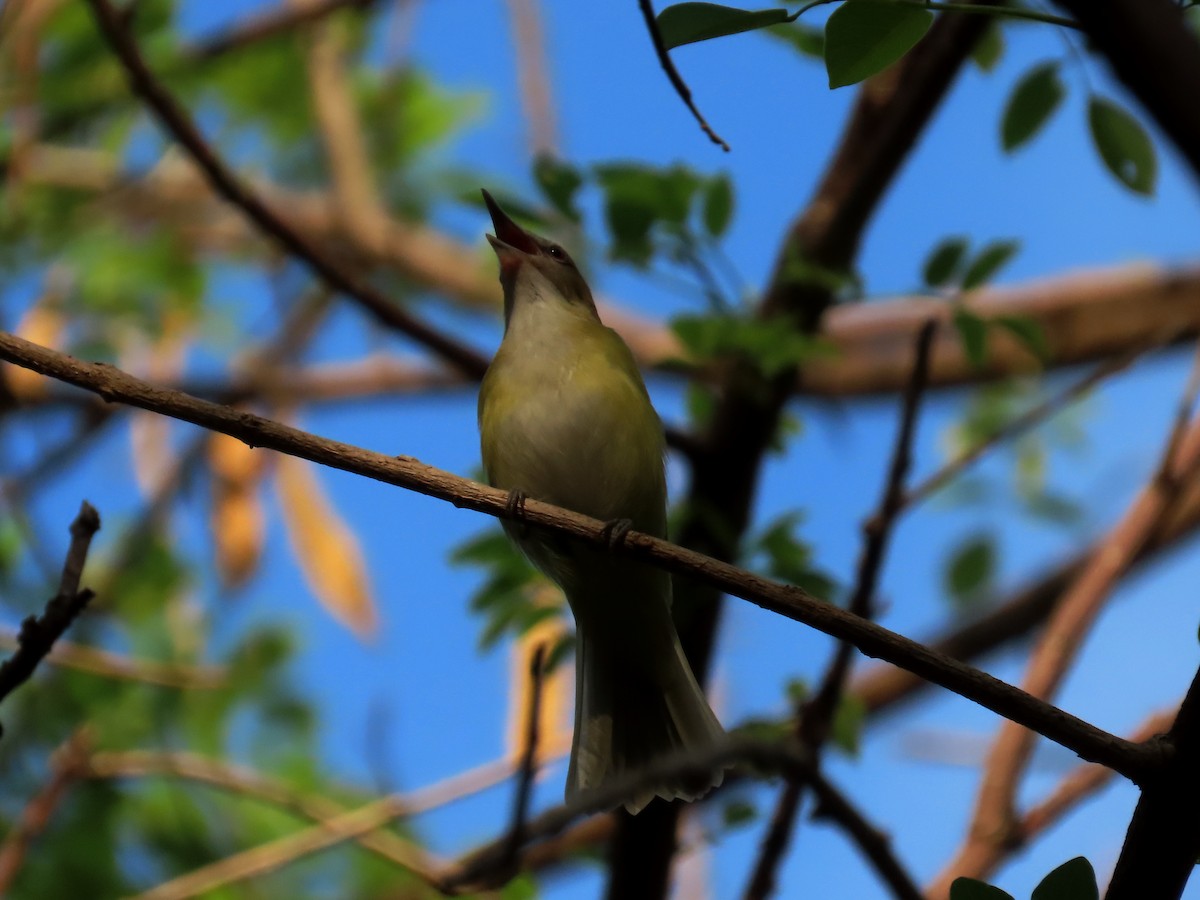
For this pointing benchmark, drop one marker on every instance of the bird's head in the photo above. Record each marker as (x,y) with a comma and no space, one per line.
(532,268)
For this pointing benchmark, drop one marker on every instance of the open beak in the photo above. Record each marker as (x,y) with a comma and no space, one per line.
(510,241)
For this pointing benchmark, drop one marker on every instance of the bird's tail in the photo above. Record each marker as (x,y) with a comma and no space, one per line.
(636,701)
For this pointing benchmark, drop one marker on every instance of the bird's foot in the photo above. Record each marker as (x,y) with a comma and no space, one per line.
(514,507)
(614,532)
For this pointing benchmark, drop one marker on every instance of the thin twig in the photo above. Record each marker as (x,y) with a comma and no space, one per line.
(66,767)
(222,179)
(814,721)
(874,844)
(262,26)
(532,75)
(38,633)
(95,661)
(528,760)
(1087,740)
(1026,420)
(246,782)
(681,88)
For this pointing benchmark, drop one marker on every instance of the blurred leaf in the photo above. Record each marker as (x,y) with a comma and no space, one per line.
(411,115)
(1123,145)
(1073,880)
(989,48)
(847,725)
(505,598)
(559,182)
(945,261)
(1034,99)
(718,204)
(738,812)
(788,558)
(640,198)
(797,691)
(523,887)
(973,332)
(41,324)
(236,516)
(1031,468)
(990,260)
(772,346)
(1028,331)
(324,547)
(687,23)
(970,889)
(971,569)
(1055,508)
(863,37)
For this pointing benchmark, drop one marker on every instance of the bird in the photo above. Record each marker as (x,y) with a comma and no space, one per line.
(565,418)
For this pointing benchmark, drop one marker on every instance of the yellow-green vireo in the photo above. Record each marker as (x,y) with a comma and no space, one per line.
(565,418)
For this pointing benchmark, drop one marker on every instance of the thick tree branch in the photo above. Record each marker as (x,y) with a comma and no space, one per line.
(1163,840)
(1084,316)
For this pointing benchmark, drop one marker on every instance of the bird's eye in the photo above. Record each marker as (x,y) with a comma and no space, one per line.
(557,252)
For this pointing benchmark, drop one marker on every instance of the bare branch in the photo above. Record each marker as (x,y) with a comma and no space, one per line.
(265,25)
(533,76)
(225,183)
(244,781)
(106,664)
(995,819)
(38,633)
(814,722)
(677,82)
(65,769)
(1088,741)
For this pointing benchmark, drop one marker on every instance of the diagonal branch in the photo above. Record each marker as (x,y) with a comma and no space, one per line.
(38,633)
(677,82)
(1091,743)
(815,719)
(994,818)
(224,182)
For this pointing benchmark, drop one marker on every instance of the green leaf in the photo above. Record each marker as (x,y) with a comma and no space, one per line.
(990,260)
(973,331)
(738,812)
(1123,145)
(1029,332)
(988,49)
(1034,99)
(1073,880)
(559,181)
(863,37)
(718,205)
(970,569)
(847,725)
(687,23)
(970,889)
(772,345)
(639,199)
(790,559)
(945,261)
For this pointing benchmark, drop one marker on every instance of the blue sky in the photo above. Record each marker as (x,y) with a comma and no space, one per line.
(445,703)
